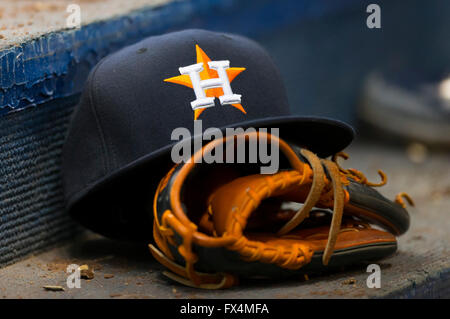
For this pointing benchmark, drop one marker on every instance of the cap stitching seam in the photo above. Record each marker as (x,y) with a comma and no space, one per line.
(97,120)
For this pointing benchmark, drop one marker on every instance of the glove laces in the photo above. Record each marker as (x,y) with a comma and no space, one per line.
(318,166)
(323,168)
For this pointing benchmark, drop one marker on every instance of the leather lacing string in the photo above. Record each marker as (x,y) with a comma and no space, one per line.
(186,275)
(399,199)
(359,177)
(164,233)
(318,185)
(357,225)
(293,257)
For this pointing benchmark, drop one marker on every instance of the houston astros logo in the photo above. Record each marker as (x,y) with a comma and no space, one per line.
(209,80)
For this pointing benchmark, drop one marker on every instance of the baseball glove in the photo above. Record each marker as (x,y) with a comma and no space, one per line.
(214,223)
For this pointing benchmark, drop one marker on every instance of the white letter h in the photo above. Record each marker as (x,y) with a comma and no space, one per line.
(200,86)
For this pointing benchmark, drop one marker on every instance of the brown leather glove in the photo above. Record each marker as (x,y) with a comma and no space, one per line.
(214,223)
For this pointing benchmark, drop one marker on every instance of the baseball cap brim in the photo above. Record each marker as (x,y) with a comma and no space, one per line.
(124,188)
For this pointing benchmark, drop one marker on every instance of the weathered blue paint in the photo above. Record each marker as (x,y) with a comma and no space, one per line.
(56,65)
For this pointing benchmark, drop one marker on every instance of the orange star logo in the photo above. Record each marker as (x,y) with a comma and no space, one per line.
(206,74)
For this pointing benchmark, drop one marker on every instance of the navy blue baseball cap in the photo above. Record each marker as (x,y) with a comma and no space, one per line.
(119,140)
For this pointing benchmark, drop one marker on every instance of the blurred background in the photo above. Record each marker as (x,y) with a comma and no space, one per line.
(392,82)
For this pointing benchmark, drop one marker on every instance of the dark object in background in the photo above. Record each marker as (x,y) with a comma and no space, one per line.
(326,61)
(408,106)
